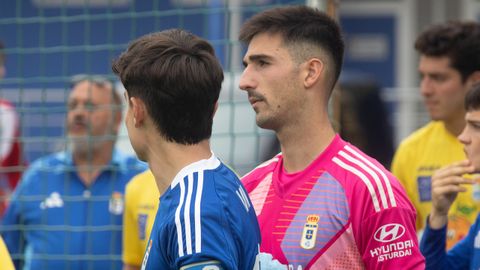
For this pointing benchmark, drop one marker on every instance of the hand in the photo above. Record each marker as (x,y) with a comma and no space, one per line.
(446,184)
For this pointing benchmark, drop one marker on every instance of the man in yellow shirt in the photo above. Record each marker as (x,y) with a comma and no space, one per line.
(449,64)
(141,204)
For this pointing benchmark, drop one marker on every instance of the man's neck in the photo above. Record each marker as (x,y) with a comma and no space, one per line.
(89,164)
(301,146)
(166,159)
(455,126)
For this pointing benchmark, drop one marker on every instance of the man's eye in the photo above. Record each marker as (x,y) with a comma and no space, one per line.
(262,63)
(476,126)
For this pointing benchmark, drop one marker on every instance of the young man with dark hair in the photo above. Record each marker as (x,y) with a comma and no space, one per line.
(321,203)
(447,183)
(205,219)
(449,64)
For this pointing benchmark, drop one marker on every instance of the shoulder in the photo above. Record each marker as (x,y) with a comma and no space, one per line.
(50,163)
(142,180)
(260,173)
(420,136)
(220,184)
(364,177)
(43,169)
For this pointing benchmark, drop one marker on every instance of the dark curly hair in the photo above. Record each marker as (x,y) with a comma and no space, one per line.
(459,41)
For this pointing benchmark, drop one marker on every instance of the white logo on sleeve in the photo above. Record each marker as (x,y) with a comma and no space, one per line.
(389,232)
(390,249)
(54,200)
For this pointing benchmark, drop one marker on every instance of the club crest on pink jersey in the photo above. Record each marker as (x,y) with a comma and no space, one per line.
(309,234)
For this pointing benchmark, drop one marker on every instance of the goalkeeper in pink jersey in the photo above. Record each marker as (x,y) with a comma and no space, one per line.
(321,203)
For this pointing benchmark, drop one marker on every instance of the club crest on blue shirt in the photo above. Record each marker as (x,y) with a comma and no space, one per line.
(309,234)
(142,226)
(115,205)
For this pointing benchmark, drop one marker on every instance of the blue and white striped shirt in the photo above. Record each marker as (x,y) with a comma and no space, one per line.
(205,218)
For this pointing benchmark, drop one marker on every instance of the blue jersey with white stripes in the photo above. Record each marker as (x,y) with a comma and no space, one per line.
(205,219)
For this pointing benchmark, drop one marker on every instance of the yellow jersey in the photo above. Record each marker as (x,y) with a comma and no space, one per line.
(5,260)
(417,158)
(141,204)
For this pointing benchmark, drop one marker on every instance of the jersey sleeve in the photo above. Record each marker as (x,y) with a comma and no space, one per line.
(433,245)
(131,253)
(388,240)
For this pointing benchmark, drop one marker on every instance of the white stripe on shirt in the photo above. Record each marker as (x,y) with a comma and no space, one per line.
(186,214)
(178,223)
(384,177)
(364,178)
(371,172)
(198,199)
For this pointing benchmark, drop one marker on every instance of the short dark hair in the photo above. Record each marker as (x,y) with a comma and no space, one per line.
(178,77)
(459,41)
(300,25)
(472,98)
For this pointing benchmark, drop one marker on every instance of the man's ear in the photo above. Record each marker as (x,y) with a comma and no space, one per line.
(315,69)
(138,110)
(215,109)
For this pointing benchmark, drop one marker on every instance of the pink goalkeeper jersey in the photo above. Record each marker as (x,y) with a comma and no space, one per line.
(344,211)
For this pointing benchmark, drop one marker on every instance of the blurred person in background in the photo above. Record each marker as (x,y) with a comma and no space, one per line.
(11,162)
(141,206)
(449,64)
(447,183)
(364,119)
(5,259)
(205,220)
(321,203)
(66,213)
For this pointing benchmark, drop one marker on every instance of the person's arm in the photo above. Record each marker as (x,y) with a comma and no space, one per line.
(389,240)
(385,235)
(446,184)
(432,246)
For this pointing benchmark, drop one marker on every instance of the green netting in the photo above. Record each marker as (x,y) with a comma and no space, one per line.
(49,41)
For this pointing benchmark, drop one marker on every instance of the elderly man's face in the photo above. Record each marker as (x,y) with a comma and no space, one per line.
(92,113)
